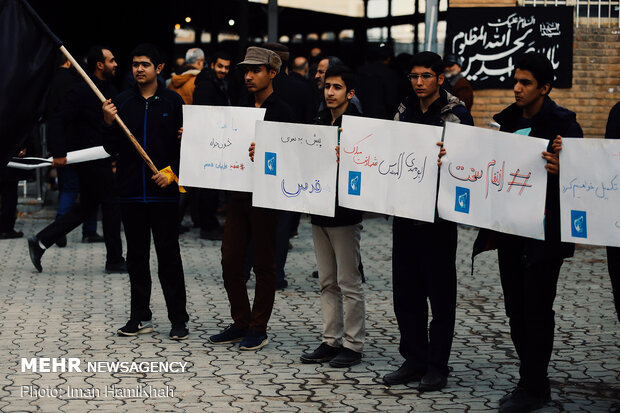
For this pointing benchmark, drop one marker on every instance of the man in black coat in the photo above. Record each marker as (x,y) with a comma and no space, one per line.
(529,268)
(613,253)
(212,88)
(425,271)
(78,124)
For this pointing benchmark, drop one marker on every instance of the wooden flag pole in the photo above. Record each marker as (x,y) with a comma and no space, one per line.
(117,118)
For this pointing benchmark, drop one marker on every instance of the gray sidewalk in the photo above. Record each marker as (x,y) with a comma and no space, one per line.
(72,310)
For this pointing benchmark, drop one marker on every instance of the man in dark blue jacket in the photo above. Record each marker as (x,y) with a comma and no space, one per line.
(149,202)
(424,254)
(529,268)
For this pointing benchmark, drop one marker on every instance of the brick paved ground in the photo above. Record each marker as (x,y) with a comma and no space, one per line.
(73,309)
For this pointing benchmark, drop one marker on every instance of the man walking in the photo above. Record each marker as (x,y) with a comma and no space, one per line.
(426,270)
(79,125)
(149,203)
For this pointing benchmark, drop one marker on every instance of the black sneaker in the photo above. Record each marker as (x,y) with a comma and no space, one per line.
(346,358)
(323,353)
(92,238)
(179,332)
(215,234)
(253,340)
(133,328)
(36,252)
(230,334)
(523,401)
(403,375)
(61,242)
(11,234)
(117,268)
(281,285)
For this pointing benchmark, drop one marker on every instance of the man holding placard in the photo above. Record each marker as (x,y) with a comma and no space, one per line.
(424,254)
(613,253)
(337,249)
(245,223)
(529,268)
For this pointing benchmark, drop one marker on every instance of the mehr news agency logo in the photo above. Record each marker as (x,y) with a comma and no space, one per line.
(75,365)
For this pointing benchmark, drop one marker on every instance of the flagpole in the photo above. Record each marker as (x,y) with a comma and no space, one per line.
(117,118)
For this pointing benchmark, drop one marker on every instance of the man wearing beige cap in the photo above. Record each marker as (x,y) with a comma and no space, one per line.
(245,223)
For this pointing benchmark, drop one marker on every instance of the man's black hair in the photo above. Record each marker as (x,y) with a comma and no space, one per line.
(149,50)
(221,54)
(95,54)
(428,60)
(347,75)
(540,67)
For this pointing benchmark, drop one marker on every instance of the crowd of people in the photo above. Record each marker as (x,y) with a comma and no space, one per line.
(313,90)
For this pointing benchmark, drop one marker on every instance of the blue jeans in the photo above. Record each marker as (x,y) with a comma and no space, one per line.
(69,188)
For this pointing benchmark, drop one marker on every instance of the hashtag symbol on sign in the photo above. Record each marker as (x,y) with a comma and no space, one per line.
(522,184)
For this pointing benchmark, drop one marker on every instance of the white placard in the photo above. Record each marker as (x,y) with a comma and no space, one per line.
(214,147)
(589,191)
(295,167)
(389,167)
(79,156)
(493,180)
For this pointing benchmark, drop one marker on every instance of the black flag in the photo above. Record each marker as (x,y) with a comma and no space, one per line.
(28,53)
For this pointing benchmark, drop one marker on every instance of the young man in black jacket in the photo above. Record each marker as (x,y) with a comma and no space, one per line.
(245,223)
(337,249)
(529,268)
(149,203)
(424,254)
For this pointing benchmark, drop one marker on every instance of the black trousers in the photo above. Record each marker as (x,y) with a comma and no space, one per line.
(529,292)
(96,188)
(613,263)
(424,268)
(139,220)
(8,209)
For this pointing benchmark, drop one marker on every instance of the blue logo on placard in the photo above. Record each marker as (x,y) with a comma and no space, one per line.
(461,203)
(270,163)
(355,183)
(579,224)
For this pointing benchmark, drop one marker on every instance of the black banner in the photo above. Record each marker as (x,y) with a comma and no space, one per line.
(489,38)
(28,52)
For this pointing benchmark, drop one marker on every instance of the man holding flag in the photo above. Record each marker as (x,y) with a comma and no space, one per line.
(149,202)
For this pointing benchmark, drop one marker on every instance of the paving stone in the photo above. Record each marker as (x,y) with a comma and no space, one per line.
(73,309)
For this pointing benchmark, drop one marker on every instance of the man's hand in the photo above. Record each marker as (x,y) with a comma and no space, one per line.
(59,162)
(338,154)
(22,153)
(161,180)
(442,152)
(180,133)
(251,150)
(553,159)
(109,112)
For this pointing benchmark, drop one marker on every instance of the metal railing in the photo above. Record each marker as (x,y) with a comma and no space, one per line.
(588,9)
